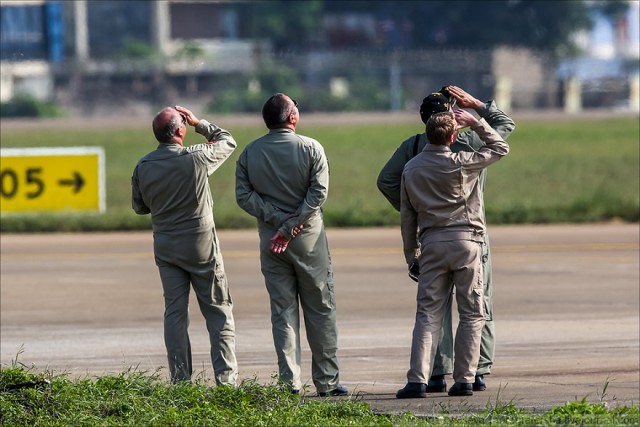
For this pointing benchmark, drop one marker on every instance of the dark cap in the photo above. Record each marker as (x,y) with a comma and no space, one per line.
(437,102)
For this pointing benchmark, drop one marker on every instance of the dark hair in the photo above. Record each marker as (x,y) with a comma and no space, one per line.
(276,111)
(165,133)
(440,127)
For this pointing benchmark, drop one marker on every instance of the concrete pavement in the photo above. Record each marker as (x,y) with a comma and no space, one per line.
(566,306)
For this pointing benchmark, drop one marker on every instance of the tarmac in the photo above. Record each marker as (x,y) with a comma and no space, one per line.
(566,309)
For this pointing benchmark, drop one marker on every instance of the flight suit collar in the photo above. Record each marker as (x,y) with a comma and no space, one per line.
(437,148)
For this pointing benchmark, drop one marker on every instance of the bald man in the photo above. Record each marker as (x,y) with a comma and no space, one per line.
(171,183)
(282,179)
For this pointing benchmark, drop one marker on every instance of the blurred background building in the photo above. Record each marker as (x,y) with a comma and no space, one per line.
(95,56)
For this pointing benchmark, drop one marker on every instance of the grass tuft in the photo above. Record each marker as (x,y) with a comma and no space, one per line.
(136,398)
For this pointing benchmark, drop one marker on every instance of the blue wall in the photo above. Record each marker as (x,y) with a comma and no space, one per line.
(31,32)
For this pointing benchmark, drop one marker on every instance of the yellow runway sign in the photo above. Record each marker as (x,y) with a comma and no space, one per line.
(52,179)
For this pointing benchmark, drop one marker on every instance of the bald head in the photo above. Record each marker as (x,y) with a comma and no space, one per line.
(165,124)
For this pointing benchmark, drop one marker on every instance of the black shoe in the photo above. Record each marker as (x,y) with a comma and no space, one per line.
(412,390)
(338,391)
(479,384)
(437,384)
(461,389)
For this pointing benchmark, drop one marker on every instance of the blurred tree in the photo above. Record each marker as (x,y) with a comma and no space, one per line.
(286,23)
(541,25)
(612,8)
(469,24)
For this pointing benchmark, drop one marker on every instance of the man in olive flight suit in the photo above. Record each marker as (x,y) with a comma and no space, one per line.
(389,184)
(282,179)
(171,183)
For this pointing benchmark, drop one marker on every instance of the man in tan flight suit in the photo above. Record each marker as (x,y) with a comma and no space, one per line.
(389,184)
(441,197)
(171,183)
(282,179)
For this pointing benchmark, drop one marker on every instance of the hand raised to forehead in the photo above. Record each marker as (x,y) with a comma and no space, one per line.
(465,100)
(192,120)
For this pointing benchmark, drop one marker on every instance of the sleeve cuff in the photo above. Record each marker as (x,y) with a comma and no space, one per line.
(484,109)
(479,124)
(203,127)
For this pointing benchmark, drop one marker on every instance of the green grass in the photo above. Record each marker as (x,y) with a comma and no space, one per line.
(139,399)
(574,171)
(567,172)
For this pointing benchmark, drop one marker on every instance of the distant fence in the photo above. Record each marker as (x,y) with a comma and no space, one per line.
(336,81)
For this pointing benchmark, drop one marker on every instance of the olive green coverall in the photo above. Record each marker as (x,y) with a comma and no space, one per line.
(171,183)
(282,179)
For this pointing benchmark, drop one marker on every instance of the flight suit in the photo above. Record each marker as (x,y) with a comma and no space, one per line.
(389,184)
(441,197)
(171,183)
(282,179)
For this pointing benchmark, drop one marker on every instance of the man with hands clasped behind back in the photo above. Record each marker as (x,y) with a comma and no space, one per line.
(282,179)
(441,198)
(389,184)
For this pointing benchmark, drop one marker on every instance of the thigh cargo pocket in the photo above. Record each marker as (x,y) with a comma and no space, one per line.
(478,298)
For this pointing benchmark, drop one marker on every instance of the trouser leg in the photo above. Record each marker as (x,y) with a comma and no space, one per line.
(434,289)
(317,298)
(488,341)
(176,284)
(221,328)
(214,299)
(285,327)
(443,360)
(281,285)
(467,277)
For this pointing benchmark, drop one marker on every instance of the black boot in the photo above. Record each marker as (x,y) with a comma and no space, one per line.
(338,391)
(437,384)
(412,390)
(461,389)
(479,384)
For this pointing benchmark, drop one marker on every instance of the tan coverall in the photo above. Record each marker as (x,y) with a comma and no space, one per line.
(441,197)
(389,184)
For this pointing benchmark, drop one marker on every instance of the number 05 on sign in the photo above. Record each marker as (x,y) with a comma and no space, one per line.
(52,179)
